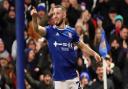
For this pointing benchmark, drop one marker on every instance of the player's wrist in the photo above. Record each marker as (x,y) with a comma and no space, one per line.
(94,54)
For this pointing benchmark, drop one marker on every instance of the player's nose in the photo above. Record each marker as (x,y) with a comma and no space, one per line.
(55,16)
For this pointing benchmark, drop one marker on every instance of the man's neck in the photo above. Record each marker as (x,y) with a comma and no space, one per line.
(61,26)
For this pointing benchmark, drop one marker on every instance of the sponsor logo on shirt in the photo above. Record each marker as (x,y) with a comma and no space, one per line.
(70,45)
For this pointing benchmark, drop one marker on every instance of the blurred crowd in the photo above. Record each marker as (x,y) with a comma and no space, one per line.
(93,20)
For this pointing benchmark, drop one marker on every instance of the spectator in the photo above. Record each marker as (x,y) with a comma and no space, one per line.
(14,46)
(6,4)
(65,3)
(118,25)
(31,44)
(11,76)
(109,21)
(98,84)
(45,81)
(84,79)
(97,39)
(10,31)
(7,75)
(114,73)
(28,6)
(4,8)
(81,66)
(31,62)
(87,26)
(44,62)
(115,50)
(42,13)
(122,8)
(3,52)
(2,80)
(73,12)
(3,62)
(123,37)
(123,65)
(88,4)
(102,8)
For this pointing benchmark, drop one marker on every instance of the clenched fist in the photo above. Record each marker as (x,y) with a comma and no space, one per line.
(33,12)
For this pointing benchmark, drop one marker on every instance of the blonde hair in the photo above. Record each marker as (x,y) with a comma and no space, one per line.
(62,7)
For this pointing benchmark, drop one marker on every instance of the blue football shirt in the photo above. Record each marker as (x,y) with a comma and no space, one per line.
(61,48)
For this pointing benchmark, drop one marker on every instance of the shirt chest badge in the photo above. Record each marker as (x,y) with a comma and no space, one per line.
(69,34)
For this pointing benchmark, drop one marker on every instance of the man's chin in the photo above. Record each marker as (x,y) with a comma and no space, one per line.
(57,24)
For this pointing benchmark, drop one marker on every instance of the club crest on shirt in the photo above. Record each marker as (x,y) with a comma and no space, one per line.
(69,35)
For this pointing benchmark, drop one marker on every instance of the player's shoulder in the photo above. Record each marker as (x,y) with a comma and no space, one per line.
(69,28)
(49,27)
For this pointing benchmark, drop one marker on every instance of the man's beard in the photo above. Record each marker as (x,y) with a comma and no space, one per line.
(58,24)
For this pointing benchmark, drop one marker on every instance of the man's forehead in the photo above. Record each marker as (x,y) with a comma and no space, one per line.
(124,30)
(58,9)
(100,67)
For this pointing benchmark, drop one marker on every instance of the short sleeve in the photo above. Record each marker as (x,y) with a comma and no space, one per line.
(48,28)
(75,38)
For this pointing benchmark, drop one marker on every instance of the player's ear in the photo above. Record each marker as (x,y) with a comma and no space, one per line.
(64,15)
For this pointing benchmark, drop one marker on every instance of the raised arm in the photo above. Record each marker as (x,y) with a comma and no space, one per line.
(86,49)
(37,28)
